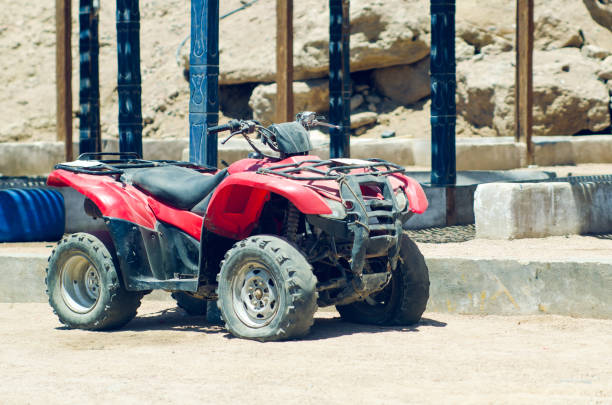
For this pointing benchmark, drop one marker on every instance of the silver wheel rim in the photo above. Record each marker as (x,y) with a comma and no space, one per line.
(255,297)
(80,284)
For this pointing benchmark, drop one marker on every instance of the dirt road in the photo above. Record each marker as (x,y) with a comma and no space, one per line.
(163,356)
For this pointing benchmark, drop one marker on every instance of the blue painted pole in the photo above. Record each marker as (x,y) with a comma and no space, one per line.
(339,78)
(128,76)
(89,80)
(204,81)
(443,85)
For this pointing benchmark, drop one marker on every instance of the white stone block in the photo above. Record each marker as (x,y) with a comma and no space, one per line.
(397,151)
(534,210)
(487,154)
(164,149)
(32,158)
(421,152)
(592,149)
(550,151)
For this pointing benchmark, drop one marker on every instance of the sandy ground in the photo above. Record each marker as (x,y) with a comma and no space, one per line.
(164,356)
(553,249)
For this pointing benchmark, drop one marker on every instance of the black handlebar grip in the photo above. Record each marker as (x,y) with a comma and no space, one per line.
(218,128)
(233,125)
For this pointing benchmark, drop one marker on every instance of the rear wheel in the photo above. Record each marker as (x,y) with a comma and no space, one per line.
(403,300)
(84,288)
(267,290)
(193,305)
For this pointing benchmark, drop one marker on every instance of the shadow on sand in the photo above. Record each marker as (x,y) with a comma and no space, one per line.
(175,319)
(326,328)
(171,319)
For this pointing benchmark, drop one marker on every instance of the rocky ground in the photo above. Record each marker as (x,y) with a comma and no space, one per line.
(163,356)
(389,55)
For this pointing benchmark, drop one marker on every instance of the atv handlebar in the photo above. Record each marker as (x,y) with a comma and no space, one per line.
(307,119)
(233,125)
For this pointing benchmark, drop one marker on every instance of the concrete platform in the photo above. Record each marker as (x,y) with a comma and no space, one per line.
(497,153)
(569,276)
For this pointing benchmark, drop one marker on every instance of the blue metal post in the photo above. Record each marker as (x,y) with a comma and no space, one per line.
(443,84)
(128,77)
(339,78)
(89,81)
(204,81)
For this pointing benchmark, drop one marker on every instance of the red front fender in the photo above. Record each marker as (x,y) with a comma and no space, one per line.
(417,201)
(236,204)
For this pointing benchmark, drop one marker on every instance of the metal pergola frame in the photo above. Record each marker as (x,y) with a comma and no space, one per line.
(204,74)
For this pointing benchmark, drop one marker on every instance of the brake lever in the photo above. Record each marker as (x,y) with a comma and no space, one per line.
(230,136)
(325,124)
(246,127)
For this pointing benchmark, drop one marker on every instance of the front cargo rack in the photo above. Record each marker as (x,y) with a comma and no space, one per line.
(88,163)
(336,169)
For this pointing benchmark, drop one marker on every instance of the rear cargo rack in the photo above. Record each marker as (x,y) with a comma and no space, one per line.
(335,170)
(117,166)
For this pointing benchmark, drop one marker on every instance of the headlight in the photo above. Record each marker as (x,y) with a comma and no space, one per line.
(401,200)
(338,211)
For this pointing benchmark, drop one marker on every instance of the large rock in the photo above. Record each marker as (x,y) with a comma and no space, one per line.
(404,84)
(551,32)
(480,38)
(463,50)
(568,97)
(383,34)
(311,95)
(601,11)
(605,72)
(595,52)
(363,119)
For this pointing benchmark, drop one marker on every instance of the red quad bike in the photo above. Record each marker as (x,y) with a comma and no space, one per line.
(270,238)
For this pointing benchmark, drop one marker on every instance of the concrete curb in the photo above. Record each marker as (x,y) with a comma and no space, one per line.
(22,279)
(500,153)
(512,287)
(465,286)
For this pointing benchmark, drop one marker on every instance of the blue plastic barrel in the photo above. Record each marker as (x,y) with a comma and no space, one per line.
(28,215)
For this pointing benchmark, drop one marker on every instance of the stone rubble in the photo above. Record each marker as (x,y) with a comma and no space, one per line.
(390,46)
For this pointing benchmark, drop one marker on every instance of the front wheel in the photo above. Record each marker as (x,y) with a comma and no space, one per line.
(84,288)
(403,300)
(267,290)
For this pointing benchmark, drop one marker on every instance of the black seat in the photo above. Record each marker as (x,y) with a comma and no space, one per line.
(177,186)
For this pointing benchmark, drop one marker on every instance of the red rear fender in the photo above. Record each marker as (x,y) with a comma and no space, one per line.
(237,203)
(112,198)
